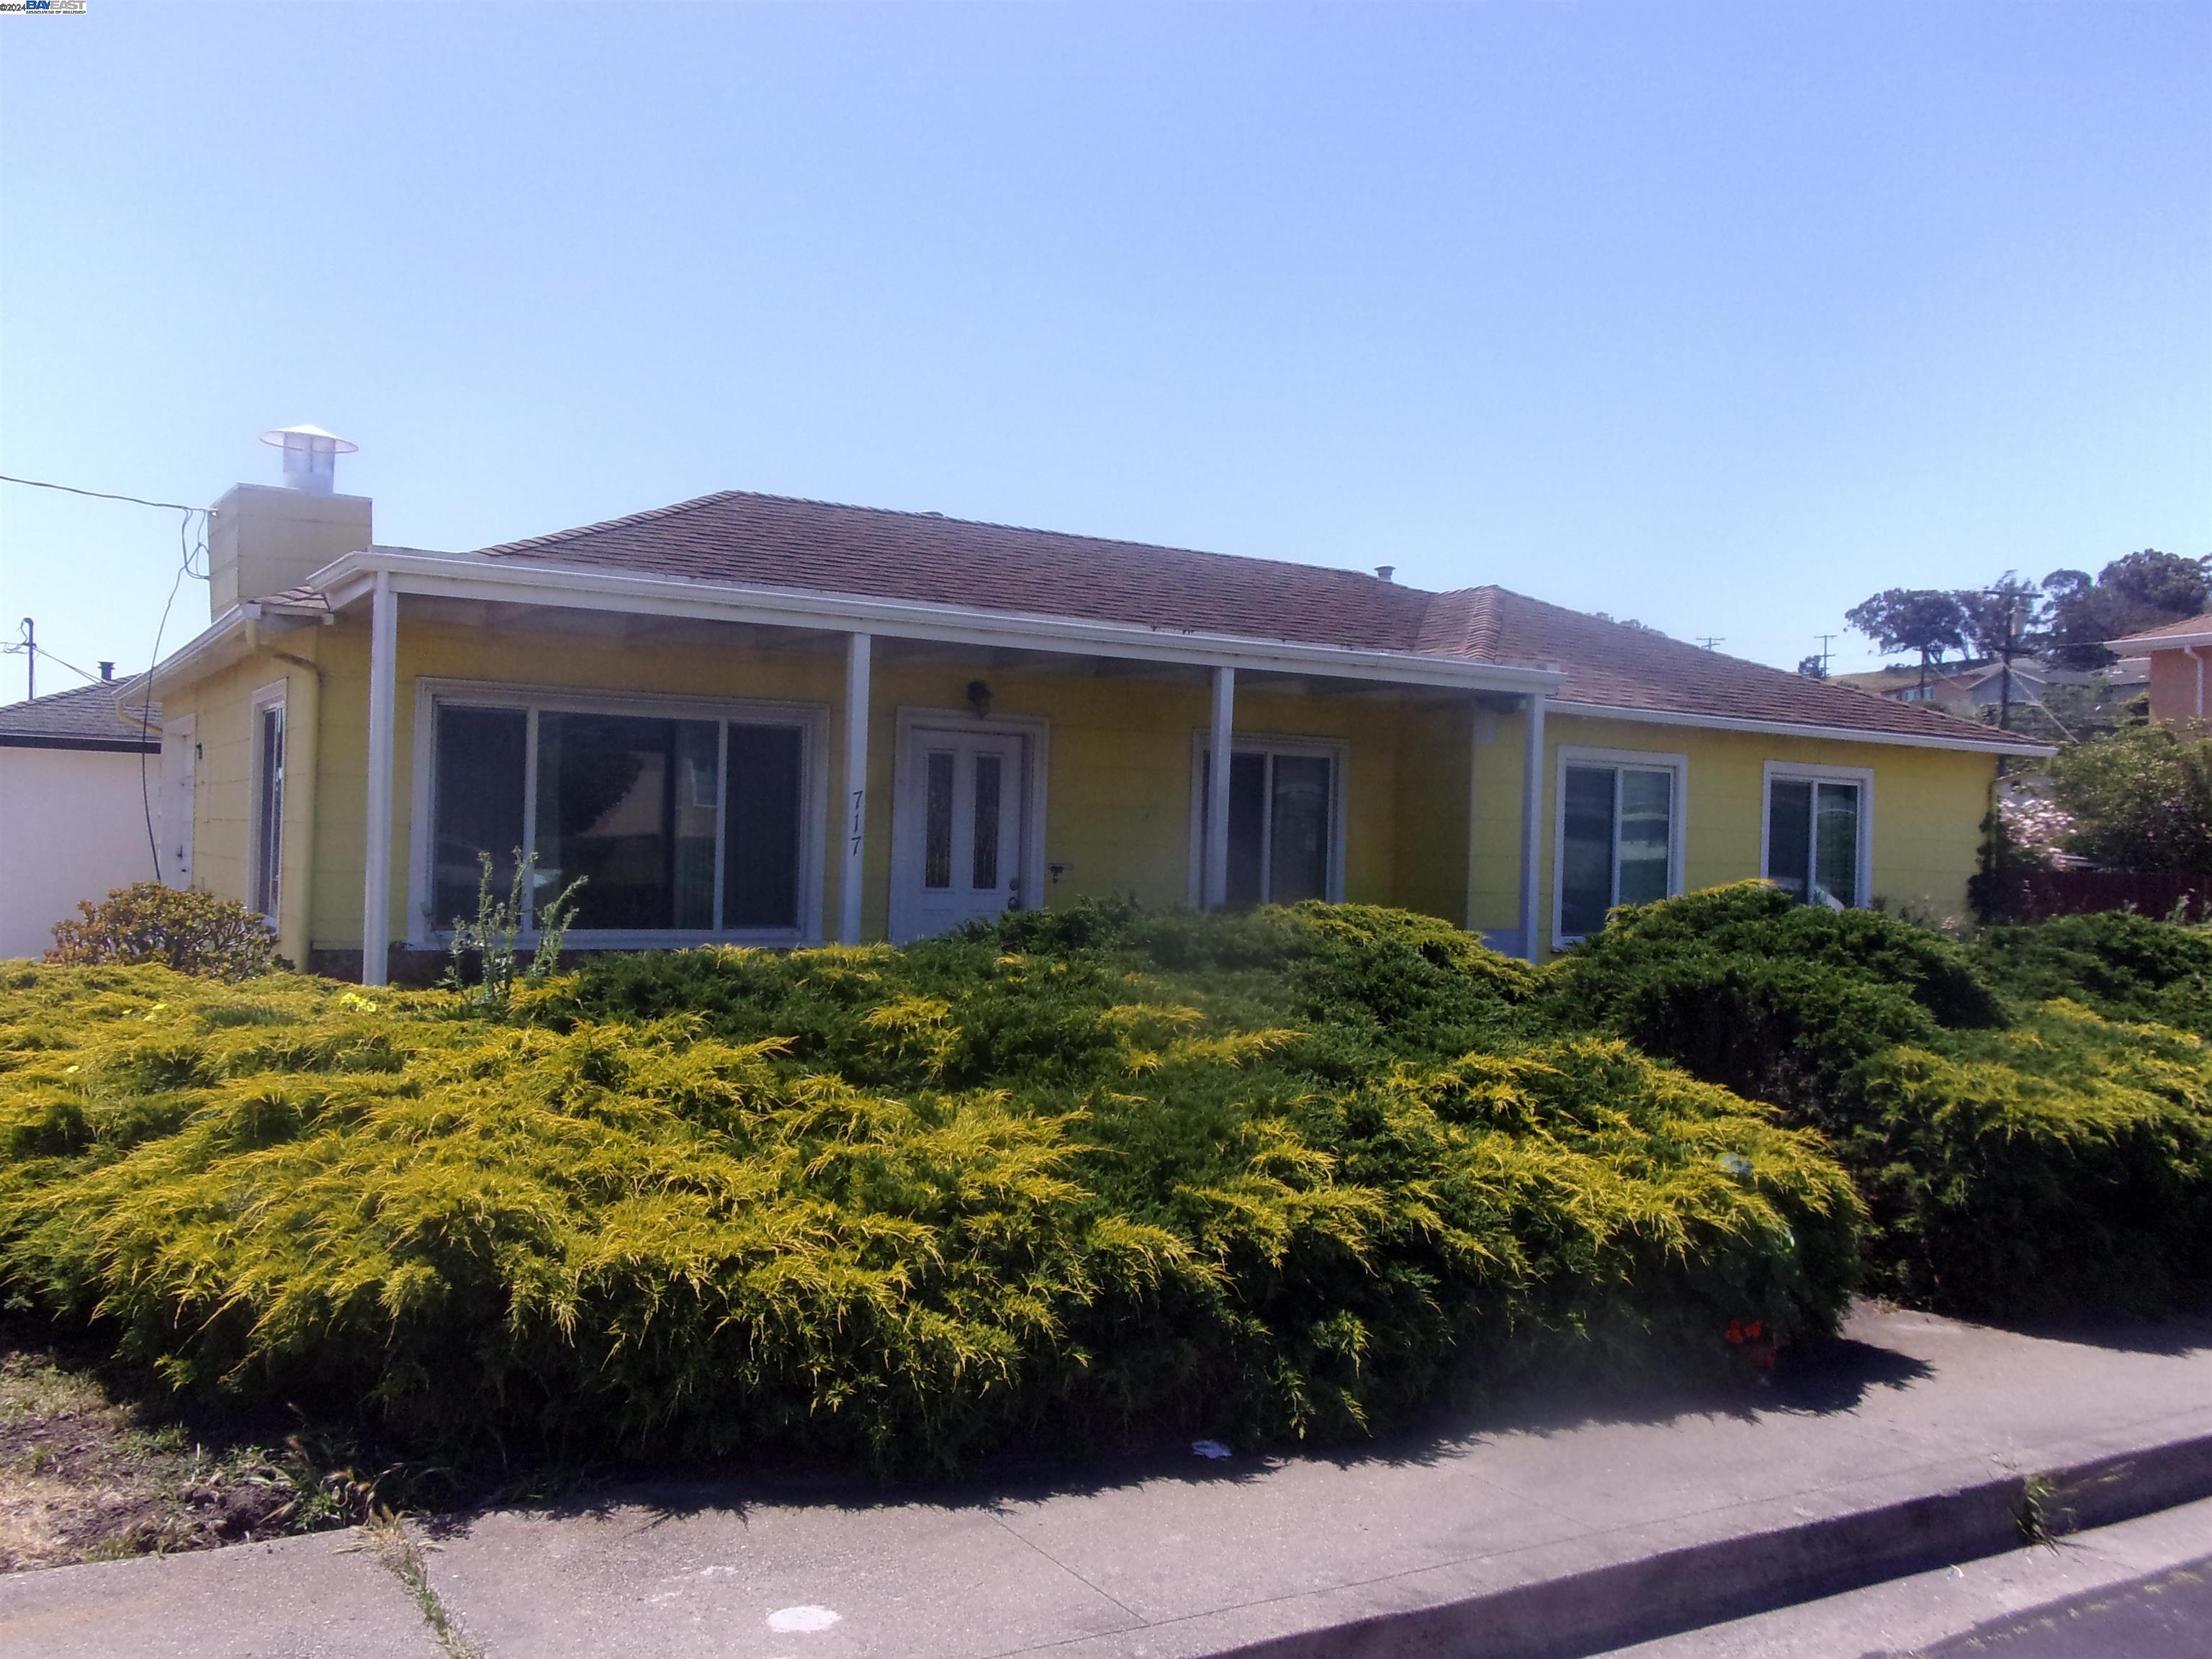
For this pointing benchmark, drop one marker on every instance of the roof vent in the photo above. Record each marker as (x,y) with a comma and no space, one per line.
(1386,572)
(310,457)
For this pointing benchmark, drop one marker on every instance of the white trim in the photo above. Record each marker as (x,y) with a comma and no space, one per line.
(1532,827)
(1798,772)
(1794,729)
(1035,733)
(1678,810)
(517,581)
(376,853)
(2141,645)
(1213,852)
(1335,750)
(852,800)
(424,930)
(265,698)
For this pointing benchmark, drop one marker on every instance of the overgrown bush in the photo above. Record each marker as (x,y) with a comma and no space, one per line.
(2141,797)
(2123,965)
(895,1205)
(2016,1161)
(180,927)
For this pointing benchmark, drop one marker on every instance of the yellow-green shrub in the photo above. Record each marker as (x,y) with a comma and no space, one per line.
(660,1229)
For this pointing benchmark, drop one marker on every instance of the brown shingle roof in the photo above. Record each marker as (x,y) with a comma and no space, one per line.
(81,719)
(2187,628)
(814,546)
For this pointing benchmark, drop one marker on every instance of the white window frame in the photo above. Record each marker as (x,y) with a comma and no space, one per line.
(1800,772)
(911,724)
(265,699)
(1678,812)
(1335,750)
(425,931)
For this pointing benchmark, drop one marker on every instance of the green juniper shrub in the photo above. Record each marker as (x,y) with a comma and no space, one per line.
(893,1206)
(2123,965)
(2063,1165)
(2032,1160)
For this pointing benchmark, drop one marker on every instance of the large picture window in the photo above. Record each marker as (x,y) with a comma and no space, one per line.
(1285,838)
(691,822)
(1818,834)
(1619,835)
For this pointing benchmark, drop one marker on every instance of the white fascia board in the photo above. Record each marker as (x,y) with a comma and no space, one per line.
(209,650)
(1599,711)
(2143,648)
(442,576)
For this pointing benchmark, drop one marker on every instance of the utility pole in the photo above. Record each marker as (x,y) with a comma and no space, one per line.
(1826,641)
(1710,640)
(29,648)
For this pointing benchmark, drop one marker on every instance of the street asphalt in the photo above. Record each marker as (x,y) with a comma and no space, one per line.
(1501,1534)
(2141,1590)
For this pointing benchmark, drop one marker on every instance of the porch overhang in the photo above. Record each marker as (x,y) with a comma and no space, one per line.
(349,580)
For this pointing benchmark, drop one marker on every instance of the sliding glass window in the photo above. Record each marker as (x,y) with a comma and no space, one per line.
(1616,841)
(1282,825)
(1815,839)
(678,824)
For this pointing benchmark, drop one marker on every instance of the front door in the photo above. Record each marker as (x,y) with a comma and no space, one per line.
(958,830)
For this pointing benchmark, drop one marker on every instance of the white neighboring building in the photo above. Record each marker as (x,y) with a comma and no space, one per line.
(73,810)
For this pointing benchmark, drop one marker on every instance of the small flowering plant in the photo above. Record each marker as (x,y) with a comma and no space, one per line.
(1751,1339)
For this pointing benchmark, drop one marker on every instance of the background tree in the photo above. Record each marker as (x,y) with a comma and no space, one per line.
(1923,619)
(2141,797)
(1814,667)
(2135,591)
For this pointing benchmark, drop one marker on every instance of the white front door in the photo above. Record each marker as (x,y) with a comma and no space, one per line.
(180,765)
(956,829)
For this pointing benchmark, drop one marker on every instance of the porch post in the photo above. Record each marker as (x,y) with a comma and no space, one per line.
(855,802)
(376,872)
(1474,802)
(1532,823)
(1214,889)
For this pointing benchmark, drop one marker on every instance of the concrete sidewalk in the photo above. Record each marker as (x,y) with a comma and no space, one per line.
(1910,1446)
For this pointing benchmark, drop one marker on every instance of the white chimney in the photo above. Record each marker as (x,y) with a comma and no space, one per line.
(310,457)
(262,540)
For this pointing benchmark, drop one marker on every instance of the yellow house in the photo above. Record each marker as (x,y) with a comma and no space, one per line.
(752,719)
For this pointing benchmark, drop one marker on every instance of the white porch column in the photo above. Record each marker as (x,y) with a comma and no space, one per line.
(376,872)
(1474,735)
(855,812)
(1532,823)
(1214,888)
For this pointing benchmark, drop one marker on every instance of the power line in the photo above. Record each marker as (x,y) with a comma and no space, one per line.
(97,495)
(184,568)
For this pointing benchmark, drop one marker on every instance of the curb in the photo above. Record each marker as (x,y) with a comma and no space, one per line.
(1588,1613)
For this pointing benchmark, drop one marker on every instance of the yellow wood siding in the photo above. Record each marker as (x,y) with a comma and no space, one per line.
(1118,795)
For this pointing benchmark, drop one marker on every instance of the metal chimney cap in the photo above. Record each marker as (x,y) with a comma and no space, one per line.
(277,436)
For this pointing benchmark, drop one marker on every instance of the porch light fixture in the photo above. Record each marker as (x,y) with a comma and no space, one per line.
(978,698)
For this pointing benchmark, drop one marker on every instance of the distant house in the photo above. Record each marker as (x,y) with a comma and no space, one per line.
(756,720)
(76,781)
(1968,689)
(2180,656)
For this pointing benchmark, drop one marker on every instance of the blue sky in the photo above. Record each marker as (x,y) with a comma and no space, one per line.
(1720,317)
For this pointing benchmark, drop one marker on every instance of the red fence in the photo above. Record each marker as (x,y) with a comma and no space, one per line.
(2040,893)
